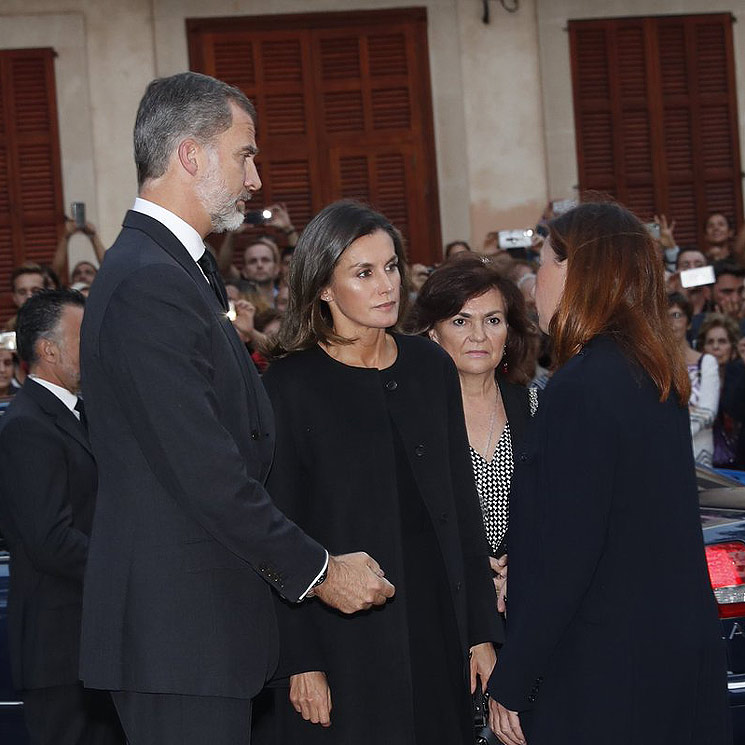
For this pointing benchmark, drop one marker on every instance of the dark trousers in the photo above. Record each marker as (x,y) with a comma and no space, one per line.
(71,715)
(167,719)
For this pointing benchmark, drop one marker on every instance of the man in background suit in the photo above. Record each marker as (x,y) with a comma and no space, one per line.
(47,496)
(178,620)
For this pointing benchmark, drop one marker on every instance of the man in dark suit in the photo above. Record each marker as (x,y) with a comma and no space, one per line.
(178,618)
(47,495)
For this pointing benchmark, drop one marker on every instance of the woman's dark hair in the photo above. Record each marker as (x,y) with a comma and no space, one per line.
(452,285)
(679,299)
(615,285)
(325,238)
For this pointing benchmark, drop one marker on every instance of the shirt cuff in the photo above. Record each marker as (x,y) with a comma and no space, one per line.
(318,576)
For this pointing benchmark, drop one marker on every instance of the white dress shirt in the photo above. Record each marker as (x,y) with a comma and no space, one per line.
(187,236)
(68,399)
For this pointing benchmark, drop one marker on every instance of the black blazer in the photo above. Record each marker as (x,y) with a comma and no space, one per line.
(186,541)
(612,629)
(47,497)
(335,473)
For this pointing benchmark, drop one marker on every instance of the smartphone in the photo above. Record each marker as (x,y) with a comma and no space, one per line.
(654,229)
(231,311)
(257,217)
(8,340)
(511,239)
(77,209)
(701,275)
(560,206)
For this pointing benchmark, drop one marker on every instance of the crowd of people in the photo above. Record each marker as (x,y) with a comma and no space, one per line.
(286,506)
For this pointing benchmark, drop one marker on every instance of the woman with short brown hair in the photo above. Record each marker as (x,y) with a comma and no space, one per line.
(612,628)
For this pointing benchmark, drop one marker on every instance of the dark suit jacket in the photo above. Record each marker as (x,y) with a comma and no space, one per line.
(47,497)
(186,541)
(612,628)
(336,474)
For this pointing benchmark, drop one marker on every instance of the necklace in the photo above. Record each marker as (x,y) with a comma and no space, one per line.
(491,432)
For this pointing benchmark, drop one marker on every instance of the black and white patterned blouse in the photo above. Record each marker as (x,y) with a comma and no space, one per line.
(493,479)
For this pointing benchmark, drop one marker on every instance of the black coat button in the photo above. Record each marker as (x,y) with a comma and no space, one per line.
(523,457)
(419,450)
(531,698)
(255,435)
(391,385)
(458,586)
(444,517)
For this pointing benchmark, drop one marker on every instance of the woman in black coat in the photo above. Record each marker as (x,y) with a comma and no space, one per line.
(612,629)
(372,452)
(478,317)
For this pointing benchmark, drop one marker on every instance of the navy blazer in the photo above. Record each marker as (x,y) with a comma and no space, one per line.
(612,629)
(186,541)
(47,497)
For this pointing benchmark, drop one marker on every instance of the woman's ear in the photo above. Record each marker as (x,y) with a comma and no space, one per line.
(432,334)
(326,295)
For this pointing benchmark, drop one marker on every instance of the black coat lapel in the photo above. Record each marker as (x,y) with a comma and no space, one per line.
(173,246)
(63,418)
(517,408)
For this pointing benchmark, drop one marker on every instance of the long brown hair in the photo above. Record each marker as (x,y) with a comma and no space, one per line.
(615,286)
(308,319)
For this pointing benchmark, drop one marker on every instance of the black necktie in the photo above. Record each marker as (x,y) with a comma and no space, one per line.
(209,266)
(80,408)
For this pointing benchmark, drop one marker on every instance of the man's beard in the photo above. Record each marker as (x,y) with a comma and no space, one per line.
(215,197)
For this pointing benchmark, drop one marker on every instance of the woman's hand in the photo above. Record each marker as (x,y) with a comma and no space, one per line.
(505,724)
(483,659)
(310,696)
(499,567)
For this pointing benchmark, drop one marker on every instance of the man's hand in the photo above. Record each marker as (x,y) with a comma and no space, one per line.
(666,239)
(499,567)
(354,582)
(244,319)
(310,696)
(483,659)
(280,218)
(505,724)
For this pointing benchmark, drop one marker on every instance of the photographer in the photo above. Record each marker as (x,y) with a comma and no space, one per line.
(83,271)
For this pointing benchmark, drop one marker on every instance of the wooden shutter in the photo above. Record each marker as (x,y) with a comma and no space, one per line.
(344,111)
(31,213)
(656,117)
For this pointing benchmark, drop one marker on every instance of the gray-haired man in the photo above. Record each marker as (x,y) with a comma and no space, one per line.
(177,613)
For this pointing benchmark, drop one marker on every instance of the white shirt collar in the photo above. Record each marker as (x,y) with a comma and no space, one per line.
(189,237)
(68,399)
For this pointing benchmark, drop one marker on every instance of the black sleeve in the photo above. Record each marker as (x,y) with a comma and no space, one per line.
(484,623)
(156,342)
(300,646)
(576,467)
(33,488)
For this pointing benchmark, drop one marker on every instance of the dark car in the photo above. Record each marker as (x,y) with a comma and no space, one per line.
(722,501)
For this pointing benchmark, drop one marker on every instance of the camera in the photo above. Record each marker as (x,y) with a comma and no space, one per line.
(77,209)
(698,276)
(257,217)
(511,239)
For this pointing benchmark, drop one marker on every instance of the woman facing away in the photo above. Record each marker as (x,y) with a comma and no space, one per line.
(703,373)
(372,448)
(612,628)
(479,319)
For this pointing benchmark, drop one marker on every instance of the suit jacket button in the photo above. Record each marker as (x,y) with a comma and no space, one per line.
(458,586)
(255,435)
(531,698)
(444,517)
(391,385)
(419,450)
(523,457)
